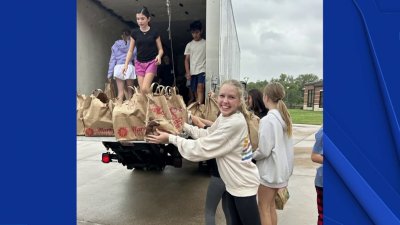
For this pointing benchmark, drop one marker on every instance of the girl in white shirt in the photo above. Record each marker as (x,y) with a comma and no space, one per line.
(227,140)
(275,151)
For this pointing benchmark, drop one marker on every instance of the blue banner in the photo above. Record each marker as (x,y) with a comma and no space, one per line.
(361,114)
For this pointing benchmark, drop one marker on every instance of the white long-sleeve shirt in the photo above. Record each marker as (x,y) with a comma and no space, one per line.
(227,141)
(275,154)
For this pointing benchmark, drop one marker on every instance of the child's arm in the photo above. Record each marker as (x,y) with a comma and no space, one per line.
(160,50)
(317,151)
(134,56)
(194,131)
(200,122)
(197,121)
(129,55)
(317,158)
(112,63)
(187,66)
(206,122)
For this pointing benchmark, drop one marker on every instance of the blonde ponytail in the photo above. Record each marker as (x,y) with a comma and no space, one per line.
(276,93)
(285,116)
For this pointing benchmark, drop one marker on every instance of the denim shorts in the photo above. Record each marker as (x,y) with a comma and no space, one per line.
(197,79)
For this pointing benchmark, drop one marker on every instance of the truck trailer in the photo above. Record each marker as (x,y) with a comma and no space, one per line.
(99,25)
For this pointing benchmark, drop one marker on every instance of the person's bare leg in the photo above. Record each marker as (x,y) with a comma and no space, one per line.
(194,96)
(274,217)
(120,86)
(140,82)
(129,82)
(146,83)
(266,197)
(191,97)
(200,93)
(262,205)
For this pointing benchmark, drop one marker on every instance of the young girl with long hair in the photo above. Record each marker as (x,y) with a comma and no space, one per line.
(149,50)
(274,155)
(226,140)
(119,50)
(256,104)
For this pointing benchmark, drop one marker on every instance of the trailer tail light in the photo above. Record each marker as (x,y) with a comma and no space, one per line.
(105,158)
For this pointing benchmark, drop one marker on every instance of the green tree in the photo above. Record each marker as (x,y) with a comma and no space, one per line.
(257,85)
(293,87)
(306,78)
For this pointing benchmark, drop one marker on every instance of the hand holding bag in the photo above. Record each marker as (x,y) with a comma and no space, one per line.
(282,196)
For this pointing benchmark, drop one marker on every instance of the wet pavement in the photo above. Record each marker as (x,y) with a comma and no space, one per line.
(109,194)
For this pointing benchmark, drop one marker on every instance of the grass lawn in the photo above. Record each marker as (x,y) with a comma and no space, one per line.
(300,116)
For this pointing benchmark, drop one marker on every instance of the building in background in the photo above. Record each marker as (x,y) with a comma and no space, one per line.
(313,96)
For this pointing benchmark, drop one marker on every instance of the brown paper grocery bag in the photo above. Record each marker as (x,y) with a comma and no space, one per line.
(157,110)
(177,108)
(129,118)
(281,198)
(253,123)
(197,109)
(211,109)
(80,128)
(97,111)
(160,124)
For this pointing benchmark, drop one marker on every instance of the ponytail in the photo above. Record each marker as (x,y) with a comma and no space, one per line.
(276,93)
(285,116)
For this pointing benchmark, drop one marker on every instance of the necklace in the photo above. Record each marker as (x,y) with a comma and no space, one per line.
(145,31)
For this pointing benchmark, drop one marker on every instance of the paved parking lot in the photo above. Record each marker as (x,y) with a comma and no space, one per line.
(110,194)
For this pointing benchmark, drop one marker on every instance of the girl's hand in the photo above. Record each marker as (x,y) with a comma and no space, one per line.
(158,59)
(197,122)
(206,122)
(124,69)
(161,138)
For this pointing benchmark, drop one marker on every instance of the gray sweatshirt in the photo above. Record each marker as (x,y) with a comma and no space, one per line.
(275,154)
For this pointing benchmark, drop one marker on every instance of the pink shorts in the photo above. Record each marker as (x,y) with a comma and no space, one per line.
(142,68)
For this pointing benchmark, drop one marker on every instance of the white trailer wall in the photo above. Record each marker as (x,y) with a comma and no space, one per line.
(223,50)
(97,30)
(212,46)
(229,43)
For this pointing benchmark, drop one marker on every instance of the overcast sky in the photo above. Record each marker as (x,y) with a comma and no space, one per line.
(279,36)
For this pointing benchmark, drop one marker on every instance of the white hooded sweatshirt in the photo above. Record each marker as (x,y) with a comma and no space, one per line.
(275,154)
